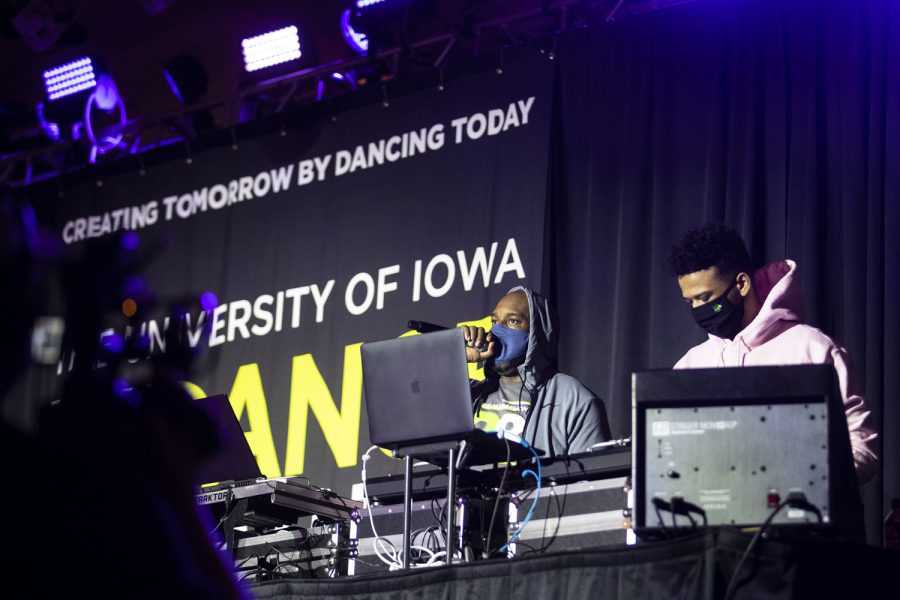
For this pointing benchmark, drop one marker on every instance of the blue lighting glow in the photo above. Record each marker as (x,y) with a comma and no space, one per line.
(69,78)
(134,286)
(126,392)
(114,343)
(365,3)
(208,301)
(130,240)
(358,42)
(120,387)
(51,128)
(273,48)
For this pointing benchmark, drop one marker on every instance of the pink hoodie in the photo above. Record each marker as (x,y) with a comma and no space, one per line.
(777,337)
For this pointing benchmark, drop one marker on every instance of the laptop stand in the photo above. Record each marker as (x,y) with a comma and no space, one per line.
(480,447)
(428,452)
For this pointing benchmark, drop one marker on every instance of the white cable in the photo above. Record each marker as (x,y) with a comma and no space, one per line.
(392,559)
(420,549)
(434,560)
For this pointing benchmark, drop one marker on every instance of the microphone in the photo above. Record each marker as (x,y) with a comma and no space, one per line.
(426,327)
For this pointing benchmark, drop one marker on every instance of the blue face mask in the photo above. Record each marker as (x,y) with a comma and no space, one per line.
(513,343)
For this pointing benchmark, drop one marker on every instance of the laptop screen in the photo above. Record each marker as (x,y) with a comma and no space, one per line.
(234,461)
(417,389)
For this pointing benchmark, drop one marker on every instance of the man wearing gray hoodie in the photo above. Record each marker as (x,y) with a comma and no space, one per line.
(523,392)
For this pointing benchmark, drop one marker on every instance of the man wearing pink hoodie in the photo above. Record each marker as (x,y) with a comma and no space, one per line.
(755,318)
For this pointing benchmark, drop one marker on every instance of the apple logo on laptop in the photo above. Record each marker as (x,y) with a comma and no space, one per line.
(415,387)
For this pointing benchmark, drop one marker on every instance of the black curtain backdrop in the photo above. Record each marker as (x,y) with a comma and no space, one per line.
(779,118)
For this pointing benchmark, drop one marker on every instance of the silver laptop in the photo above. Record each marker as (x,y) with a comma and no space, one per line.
(417,393)
(417,389)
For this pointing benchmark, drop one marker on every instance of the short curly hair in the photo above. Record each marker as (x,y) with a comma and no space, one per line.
(711,245)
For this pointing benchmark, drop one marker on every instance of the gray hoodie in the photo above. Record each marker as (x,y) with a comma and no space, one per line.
(565,416)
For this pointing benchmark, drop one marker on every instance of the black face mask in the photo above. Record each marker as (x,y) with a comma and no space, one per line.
(720,317)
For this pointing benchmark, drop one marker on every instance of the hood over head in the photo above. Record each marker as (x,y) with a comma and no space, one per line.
(543,340)
(777,286)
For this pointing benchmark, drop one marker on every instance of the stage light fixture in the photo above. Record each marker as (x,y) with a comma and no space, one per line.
(383,22)
(106,98)
(357,41)
(70,78)
(273,48)
(51,128)
(77,93)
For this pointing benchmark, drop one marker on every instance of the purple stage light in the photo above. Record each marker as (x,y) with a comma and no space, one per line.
(126,392)
(358,42)
(114,343)
(130,240)
(70,78)
(105,97)
(51,128)
(273,48)
(134,286)
(120,387)
(365,3)
(208,301)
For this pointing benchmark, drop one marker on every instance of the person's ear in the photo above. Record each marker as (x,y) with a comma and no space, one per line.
(744,284)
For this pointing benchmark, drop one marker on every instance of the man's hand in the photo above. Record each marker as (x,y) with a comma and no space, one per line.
(480,345)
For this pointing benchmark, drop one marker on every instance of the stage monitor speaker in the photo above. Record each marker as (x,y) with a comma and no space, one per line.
(727,445)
